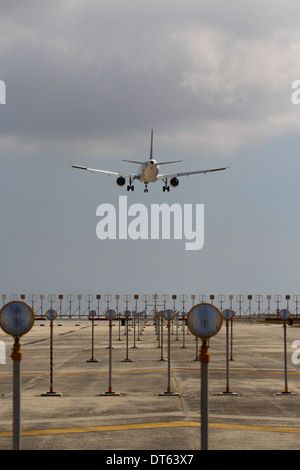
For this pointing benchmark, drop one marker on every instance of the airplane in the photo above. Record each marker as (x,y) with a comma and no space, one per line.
(148,172)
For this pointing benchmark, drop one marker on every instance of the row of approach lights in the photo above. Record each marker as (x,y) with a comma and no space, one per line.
(204,320)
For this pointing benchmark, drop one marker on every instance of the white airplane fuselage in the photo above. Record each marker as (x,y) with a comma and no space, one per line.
(149,171)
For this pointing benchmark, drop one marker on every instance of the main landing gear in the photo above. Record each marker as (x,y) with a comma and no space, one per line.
(130,186)
(166,187)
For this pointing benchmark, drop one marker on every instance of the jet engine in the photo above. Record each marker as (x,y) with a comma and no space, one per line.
(121,181)
(174,182)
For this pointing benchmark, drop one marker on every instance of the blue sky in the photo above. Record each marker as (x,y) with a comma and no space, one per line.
(86,82)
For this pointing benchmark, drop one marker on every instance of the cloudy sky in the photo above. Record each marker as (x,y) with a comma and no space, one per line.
(86,82)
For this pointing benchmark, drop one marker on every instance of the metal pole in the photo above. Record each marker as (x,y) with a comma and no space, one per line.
(134,345)
(60,304)
(127,339)
(51,356)
(110,356)
(92,358)
(183,330)
(51,391)
(138,322)
(286,390)
(126,329)
(110,392)
(118,315)
(231,339)
(16,357)
(169,392)
(204,358)
(169,359)
(79,300)
(227,357)
(269,308)
(93,338)
(162,340)
(119,339)
(41,299)
(197,346)
(227,389)
(285,359)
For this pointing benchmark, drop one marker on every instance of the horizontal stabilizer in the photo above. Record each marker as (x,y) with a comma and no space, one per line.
(166,163)
(158,163)
(132,161)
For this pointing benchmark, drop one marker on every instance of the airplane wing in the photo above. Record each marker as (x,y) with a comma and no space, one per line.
(120,173)
(187,173)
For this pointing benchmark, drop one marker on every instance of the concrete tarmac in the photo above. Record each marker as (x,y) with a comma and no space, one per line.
(140,415)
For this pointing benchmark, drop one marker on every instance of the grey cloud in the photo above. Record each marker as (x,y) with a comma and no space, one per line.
(101,70)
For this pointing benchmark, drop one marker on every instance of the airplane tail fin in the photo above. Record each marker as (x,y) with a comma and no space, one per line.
(151,155)
(151,146)
(151,152)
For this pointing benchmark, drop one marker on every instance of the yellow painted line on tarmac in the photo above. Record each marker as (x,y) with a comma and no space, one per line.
(113,372)
(175,424)
(95,372)
(258,372)
(103,372)
(244,371)
(241,427)
(122,427)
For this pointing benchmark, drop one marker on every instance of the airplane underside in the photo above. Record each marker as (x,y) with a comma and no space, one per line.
(130,186)
(148,175)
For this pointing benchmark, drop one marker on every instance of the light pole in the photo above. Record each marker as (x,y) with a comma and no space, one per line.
(284,315)
(227,315)
(51,316)
(168,315)
(127,314)
(16,319)
(110,315)
(92,315)
(204,320)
